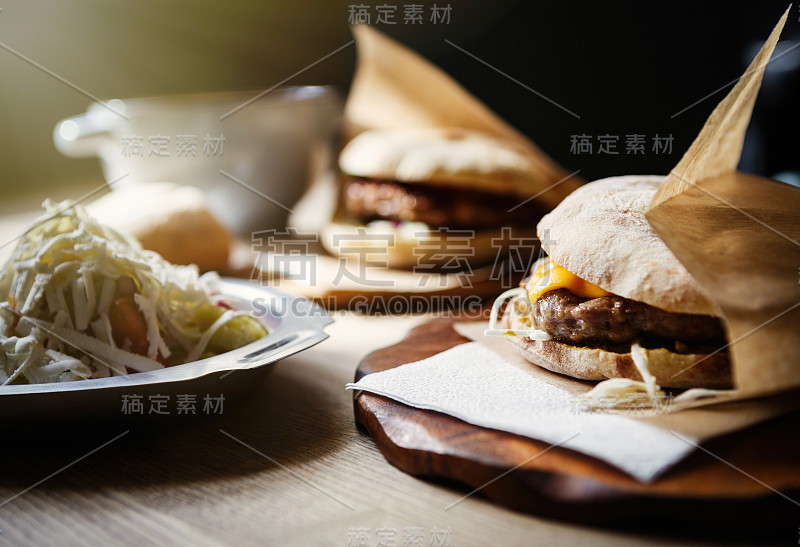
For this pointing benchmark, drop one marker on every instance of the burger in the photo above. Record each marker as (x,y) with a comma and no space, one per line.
(446,189)
(610,300)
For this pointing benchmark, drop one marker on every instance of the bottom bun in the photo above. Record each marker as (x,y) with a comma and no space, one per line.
(675,370)
(417,245)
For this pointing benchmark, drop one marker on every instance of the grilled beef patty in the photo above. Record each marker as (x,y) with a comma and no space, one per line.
(436,206)
(616,322)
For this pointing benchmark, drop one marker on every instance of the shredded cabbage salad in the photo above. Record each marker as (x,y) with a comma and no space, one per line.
(80,300)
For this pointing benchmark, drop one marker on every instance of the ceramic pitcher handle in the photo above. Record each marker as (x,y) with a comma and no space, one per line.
(83,135)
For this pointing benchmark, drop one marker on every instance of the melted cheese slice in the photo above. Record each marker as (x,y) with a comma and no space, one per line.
(549,276)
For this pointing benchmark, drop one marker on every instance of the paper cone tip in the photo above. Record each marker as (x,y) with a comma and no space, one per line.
(718,147)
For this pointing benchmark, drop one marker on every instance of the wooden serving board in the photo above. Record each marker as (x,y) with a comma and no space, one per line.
(561,483)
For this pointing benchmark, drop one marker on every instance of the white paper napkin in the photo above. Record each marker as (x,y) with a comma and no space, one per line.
(473,383)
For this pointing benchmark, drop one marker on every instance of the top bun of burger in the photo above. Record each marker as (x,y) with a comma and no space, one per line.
(600,234)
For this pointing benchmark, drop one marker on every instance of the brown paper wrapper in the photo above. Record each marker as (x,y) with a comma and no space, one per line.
(738,235)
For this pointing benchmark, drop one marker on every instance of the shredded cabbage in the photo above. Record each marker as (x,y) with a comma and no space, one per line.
(624,392)
(519,295)
(81,300)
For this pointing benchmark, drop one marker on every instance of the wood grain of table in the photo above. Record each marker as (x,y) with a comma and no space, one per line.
(285,466)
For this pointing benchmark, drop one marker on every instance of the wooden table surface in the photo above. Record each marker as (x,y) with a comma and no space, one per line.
(286,466)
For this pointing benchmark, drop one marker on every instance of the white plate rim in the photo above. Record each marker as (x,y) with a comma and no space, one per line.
(295,324)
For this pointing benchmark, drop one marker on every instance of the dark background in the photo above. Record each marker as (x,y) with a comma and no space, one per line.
(624,67)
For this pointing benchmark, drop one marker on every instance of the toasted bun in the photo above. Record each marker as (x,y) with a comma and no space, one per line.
(169,219)
(406,251)
(600,233)
(670,369)
(449,157)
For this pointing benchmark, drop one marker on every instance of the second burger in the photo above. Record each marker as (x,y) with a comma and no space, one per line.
(405,189)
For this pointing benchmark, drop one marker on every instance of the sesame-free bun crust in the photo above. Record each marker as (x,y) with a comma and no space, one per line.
(450,157)
(600,233)
(675,370)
